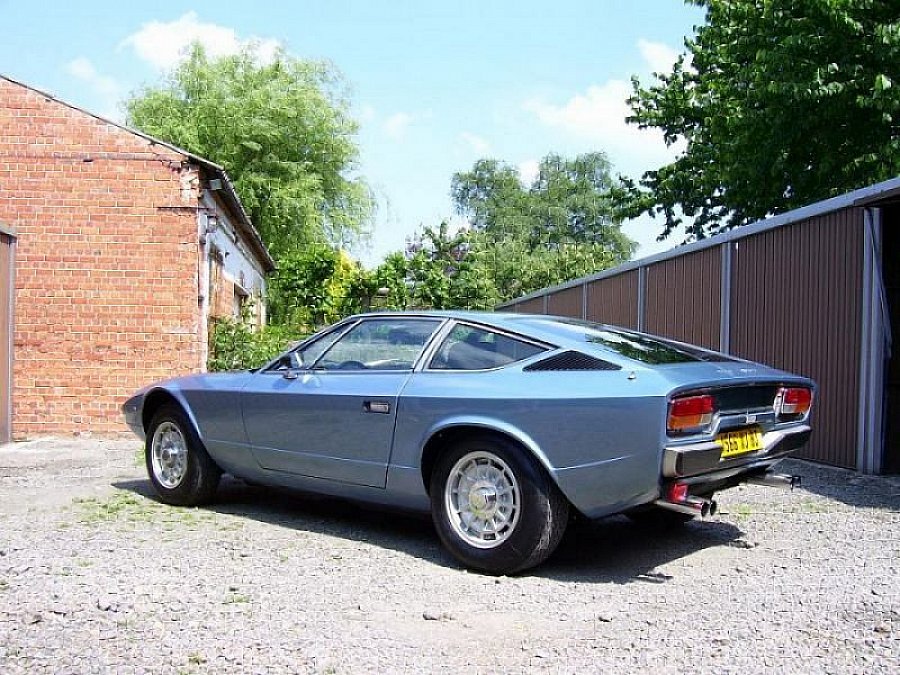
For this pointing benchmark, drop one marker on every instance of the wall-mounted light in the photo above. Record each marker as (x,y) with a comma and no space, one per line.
(212,223)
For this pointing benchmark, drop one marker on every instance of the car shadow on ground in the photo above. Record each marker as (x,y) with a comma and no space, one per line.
(846,486)
(617,550)
(613,550)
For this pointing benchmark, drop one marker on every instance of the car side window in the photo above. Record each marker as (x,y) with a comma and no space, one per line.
(471,348)
(309,354)
(379,344)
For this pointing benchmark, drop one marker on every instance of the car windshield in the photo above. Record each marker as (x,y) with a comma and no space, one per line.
(636,346)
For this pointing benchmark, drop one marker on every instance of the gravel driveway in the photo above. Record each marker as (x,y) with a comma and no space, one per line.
(96,576)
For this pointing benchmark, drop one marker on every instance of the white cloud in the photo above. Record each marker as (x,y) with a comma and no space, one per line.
(593,114)
(164,44)
(106,88)
(397,124)
(84,70)
(477,143)
(528,171)
(367,113)
(659,57)
(597,116)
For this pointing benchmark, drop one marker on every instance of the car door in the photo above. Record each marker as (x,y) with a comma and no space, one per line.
(332,415)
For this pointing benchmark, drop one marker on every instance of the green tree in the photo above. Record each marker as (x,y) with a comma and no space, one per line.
(312,286)
(567,203)
(473,270)
(282,131)
(442,273)
(526,237)
(385,287)
(515,269)
(781,103)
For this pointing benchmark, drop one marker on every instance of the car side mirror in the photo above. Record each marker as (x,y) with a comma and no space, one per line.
(291,363)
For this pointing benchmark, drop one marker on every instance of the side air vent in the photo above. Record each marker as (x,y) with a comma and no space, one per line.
(571,361)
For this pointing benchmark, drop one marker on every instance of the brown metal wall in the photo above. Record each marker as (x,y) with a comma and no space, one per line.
(533,306)
(614,300)
(683,299)
(566,303)
(5,336)
(795,304)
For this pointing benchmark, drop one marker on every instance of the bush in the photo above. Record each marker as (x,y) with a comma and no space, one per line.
(234,345)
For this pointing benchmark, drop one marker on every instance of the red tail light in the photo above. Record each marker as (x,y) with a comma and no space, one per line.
(677,492)
(792,402)
(690,413)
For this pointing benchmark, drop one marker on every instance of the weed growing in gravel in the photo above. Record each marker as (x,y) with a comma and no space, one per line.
(741,511)
(4,584)
(236,599)
(810,505)
(196,659)
(128,507)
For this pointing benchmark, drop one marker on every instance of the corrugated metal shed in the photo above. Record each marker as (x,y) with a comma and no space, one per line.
(795,304)
(568,302)
(614,299)
(684,298)
(803,291)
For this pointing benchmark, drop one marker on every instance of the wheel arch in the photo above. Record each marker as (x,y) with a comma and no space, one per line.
(444,435)
(158,397)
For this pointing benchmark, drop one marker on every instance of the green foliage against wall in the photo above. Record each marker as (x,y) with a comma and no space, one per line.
(282,131)
(781,102)
(312,286)
(234,344)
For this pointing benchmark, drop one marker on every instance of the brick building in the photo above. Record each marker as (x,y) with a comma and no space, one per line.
(115,249)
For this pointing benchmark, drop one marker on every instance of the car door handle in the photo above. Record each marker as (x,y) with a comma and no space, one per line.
(382,407)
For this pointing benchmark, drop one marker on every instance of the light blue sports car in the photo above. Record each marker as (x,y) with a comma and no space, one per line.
(501,425)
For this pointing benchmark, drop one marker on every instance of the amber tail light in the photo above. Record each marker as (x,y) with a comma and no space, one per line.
(690,413)
(792,402)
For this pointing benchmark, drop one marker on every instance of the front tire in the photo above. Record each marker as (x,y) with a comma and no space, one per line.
(180,469)
(495,509)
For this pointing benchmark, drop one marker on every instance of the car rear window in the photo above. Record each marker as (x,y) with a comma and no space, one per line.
(472,348)
(637,346)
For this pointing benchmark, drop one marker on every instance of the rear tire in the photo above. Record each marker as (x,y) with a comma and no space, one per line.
(495,509)
(180,469)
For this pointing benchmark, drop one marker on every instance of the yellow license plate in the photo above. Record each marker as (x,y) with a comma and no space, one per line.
(736,443)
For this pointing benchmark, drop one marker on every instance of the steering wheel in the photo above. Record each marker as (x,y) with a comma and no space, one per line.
(352,365)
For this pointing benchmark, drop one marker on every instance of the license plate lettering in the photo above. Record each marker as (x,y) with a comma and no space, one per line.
(734,443)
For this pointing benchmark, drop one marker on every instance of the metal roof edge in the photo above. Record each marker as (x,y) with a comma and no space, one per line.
(859,197)
(8,230)
(246,226)
(219,170)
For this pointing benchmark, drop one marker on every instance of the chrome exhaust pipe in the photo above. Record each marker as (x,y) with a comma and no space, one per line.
(692,506)
(772,479)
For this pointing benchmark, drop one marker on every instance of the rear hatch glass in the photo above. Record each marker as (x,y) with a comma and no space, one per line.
(637,346)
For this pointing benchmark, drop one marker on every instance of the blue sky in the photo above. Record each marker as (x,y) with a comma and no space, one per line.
(434,85)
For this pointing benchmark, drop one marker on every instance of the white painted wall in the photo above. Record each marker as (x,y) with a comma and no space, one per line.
(240,265)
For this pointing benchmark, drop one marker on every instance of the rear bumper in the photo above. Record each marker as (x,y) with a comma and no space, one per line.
(703,460)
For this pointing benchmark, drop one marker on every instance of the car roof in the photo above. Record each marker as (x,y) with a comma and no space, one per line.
(537,326)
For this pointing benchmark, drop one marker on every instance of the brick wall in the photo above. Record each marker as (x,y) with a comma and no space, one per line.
(107,264)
